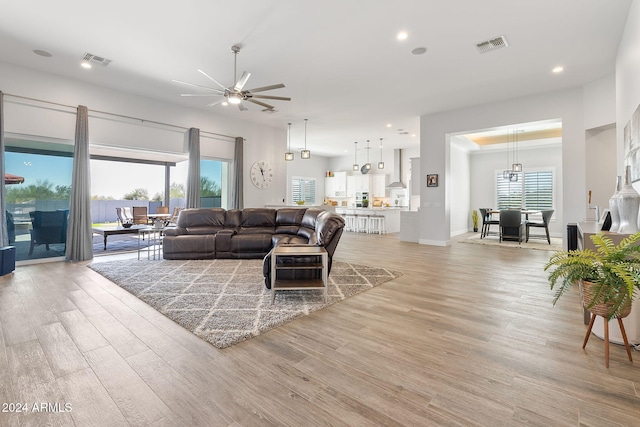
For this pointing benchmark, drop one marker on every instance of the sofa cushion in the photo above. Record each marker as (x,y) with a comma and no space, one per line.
(258,221)
(233,220)
(251,243)
(288,220)
(189,247)
(205,217)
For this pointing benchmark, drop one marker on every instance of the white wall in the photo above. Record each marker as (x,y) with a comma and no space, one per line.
(461,183)
(601,160)
(484,165)
(600,102)
(44,120)
(627,81)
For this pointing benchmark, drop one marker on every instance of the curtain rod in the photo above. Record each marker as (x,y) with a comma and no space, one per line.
(117,115)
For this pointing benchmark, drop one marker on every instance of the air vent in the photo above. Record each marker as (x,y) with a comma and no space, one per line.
(94,59)
(493,44)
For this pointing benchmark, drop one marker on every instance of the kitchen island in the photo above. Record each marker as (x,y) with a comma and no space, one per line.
(391,215)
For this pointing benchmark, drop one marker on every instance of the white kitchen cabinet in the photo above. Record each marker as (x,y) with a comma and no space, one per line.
(362,183)
(336,185)
(379,184)
(351,186)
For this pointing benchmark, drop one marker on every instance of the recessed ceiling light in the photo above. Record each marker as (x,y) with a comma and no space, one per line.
(413,135)
(419,51)
(85,64)
(42,53)
(225,103)
(402,36)
(389,125)
(558,69)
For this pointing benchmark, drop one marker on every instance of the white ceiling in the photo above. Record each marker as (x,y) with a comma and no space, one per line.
(340,60)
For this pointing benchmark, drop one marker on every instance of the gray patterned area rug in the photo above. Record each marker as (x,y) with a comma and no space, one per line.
(225,301)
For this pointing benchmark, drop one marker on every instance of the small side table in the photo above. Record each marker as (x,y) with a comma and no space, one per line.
(295,251)
(154,239)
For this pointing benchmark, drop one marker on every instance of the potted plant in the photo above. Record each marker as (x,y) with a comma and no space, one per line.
(475,220)
(608,277)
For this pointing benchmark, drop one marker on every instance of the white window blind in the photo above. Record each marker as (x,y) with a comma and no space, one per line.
(303,189)
(532,190)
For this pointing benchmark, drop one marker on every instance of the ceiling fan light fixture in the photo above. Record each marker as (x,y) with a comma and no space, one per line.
(234,98)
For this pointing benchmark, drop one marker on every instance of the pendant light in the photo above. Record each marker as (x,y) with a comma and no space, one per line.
(305,154)
(367,165)
(507,172)
(288,156)
(516,167)
(356,167)
(380,163)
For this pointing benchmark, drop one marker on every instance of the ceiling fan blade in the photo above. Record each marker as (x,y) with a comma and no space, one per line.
(262,89)
(279,98)
(216,103)
(211,78)
(202,94)
(242,107)
(242,81)
(195,85)
(267,106)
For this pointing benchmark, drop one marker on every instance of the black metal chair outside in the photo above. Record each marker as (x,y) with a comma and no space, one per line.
(48,227)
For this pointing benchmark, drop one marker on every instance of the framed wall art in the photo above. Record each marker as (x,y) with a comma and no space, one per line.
(432,180)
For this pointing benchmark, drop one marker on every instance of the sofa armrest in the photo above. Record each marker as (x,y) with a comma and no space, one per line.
(175,231)
(223,240)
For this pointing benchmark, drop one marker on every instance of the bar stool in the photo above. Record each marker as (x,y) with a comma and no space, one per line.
(376,224)
(350,220)
(362,222)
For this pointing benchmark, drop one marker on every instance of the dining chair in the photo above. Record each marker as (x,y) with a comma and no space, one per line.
(162,210)
(511,225)
(546,217)
(487,221)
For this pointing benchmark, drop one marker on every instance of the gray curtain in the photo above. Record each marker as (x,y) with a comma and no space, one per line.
(4,235)
(237,199)
(193,172)
(79,235)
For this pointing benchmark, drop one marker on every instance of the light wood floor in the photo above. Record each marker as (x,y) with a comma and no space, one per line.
(467,336)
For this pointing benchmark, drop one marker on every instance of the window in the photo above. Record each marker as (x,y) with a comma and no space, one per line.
(533,190)
(303,189)
(42,183)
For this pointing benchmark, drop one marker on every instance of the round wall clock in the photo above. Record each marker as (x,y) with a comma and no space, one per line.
(261,174)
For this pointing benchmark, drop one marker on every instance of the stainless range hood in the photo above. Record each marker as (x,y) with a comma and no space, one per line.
(396,179)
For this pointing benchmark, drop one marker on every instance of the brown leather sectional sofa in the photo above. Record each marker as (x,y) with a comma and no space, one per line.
(215,233)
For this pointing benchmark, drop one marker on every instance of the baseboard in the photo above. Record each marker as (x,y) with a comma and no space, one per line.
(435,242)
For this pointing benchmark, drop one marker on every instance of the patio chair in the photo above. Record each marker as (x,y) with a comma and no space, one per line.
(11,227)
(48,227)
(124,215)
(140,215)
(162,209)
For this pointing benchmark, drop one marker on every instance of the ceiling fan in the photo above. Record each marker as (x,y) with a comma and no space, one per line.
(236,93)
